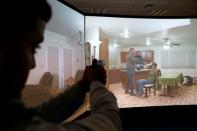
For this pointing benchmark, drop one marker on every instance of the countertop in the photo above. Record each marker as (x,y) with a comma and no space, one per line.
(137,70)
(117,68)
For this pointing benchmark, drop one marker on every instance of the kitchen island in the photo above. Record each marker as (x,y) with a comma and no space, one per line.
(115,75)
(139,74)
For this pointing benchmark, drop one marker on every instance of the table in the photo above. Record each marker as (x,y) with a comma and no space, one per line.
(170,80)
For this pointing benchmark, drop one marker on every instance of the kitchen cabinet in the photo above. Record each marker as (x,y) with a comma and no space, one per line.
(146,55)
(114,76)
(149,56)
(123,57)
(141,74)
(104,55)
(138,53)
(143,55)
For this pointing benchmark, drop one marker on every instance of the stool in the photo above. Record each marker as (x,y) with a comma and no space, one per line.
(147,88)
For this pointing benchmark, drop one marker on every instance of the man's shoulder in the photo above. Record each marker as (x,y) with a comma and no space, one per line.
(15,115)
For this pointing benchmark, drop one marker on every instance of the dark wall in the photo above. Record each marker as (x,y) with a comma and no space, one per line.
(161,118)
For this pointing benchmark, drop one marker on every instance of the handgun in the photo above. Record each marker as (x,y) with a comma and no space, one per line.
(96,63)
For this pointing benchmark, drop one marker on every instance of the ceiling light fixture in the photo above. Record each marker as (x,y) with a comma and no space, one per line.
(166,47)
(115,45)
(126,35)
(148,43)
(167,43)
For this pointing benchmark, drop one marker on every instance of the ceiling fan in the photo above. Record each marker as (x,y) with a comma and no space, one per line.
(168,42)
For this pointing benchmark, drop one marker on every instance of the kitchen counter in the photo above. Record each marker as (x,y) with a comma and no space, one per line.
(142,70)
(139,74)
(117,75)
(117,68)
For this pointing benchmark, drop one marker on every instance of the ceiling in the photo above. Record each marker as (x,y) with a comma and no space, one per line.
(179,31)
(135,8)
(141,30)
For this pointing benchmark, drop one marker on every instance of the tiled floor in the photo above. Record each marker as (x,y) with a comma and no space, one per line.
(182,96)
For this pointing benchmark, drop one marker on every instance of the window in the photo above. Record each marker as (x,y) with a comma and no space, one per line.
(178,59)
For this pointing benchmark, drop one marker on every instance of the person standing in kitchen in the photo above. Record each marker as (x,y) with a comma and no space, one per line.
(130,68)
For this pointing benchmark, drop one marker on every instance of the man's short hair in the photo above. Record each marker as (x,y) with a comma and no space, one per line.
(155,64)
(131,49)
(20,16)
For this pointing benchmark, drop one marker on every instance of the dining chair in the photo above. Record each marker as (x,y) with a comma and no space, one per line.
(147,87)
(70,81)
(188,80)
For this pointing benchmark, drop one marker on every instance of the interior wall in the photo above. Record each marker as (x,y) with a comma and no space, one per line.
(92,36)
(62,42)
(53,64)
(41,65)
(157,57)
(65,21)
(185,71)
(114,57)
(65,30)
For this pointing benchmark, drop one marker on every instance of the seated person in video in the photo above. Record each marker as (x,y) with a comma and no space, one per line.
(152,76)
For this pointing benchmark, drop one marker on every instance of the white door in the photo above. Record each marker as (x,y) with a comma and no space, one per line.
(53,63)
(67,63)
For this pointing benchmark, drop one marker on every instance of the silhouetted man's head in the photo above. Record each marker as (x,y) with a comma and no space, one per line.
(22,27)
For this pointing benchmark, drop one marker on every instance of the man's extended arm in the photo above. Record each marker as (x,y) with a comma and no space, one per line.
(64,105)
(104,112)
